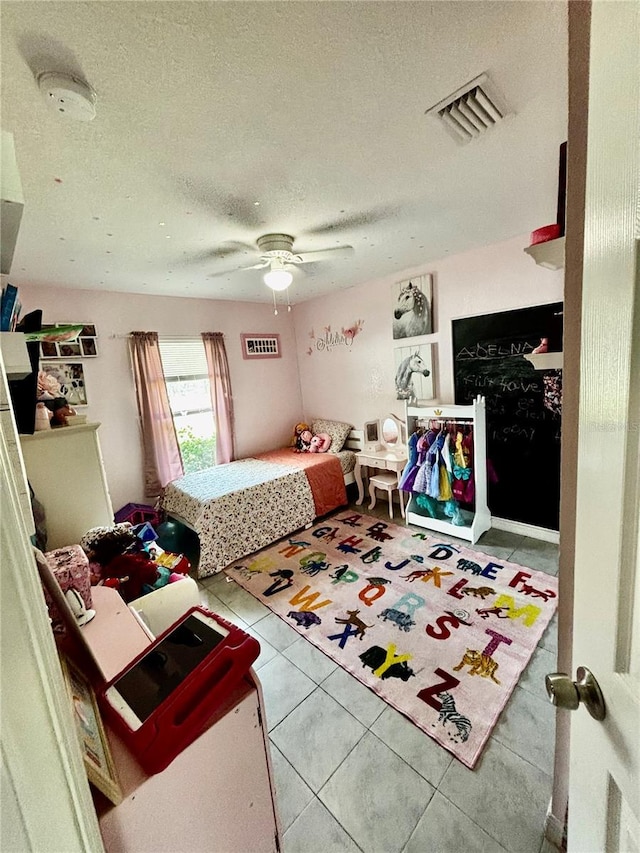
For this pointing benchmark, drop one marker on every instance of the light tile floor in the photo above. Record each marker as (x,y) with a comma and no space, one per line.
(352,774)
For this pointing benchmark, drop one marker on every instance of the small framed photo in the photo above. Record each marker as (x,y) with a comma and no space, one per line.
(260,346)
(412,307)
(70,377)
(98,762)
(414,372)
(60,343)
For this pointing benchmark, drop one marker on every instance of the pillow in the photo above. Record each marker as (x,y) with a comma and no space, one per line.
(337,430)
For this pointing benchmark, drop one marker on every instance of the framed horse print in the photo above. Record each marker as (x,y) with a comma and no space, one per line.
(412,307)
(414,372)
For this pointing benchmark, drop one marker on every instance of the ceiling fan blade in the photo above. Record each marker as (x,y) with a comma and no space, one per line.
(232,247)
(224,250)
(354,220)
(258,266)
(338,253)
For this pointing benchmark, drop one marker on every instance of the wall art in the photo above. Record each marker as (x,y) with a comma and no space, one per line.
(412,307)
(328,340)
(84,345)
(414,372)
(70,377)
(260,346)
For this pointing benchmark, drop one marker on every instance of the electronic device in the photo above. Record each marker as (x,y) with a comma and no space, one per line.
(169,694)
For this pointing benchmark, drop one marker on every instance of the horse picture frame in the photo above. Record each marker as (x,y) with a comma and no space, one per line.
(412,307)
(414,372)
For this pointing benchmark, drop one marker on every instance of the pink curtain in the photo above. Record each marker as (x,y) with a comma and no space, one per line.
(161,452)
(221,398)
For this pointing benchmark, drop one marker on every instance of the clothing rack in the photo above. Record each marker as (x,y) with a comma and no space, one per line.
(471,522)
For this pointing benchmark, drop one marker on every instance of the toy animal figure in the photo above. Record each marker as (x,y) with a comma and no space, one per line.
(478,664)
(355,621)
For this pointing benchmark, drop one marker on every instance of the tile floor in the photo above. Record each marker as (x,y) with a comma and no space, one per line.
(352,774)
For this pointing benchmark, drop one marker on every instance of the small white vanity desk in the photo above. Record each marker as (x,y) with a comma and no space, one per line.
(385,449)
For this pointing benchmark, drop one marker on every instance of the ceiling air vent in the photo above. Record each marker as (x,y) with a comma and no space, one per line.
(470,111)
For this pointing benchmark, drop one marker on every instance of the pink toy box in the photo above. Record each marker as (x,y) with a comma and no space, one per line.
(70,567)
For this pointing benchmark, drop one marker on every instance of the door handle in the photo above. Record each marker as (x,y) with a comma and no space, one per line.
(568,694)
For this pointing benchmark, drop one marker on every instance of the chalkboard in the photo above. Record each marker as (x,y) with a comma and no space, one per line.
(523,407)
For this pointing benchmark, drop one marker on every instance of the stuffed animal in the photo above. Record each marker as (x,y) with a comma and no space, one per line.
(320,443)
(303,442)
(297,431)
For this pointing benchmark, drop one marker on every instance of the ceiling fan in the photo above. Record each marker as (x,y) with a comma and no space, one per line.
(276,254)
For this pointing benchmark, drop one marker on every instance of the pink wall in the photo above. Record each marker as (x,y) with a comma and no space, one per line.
(356,383)
(266,391)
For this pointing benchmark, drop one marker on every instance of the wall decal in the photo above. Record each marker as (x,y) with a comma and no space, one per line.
(327,339)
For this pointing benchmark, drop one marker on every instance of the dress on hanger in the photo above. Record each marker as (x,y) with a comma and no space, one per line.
(411,468)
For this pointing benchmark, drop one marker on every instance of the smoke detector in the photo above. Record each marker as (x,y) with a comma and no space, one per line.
(68,96)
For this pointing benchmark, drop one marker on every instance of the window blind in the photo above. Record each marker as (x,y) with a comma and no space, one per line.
(182,357)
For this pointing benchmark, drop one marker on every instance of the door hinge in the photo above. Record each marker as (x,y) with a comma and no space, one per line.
(259,716)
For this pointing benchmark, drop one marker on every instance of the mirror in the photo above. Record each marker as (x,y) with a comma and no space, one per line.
(390,432)
(372,435)
(394,436)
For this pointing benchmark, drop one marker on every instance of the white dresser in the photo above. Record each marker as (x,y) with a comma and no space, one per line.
(65,469)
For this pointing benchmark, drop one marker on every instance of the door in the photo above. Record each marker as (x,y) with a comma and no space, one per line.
(604,794)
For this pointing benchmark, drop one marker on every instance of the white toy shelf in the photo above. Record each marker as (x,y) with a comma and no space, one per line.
(477,520)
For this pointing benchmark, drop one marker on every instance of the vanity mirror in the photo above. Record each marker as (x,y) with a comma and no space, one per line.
(372,436)
(394,435)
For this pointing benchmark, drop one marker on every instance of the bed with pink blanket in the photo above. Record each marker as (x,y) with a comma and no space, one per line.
(243,506)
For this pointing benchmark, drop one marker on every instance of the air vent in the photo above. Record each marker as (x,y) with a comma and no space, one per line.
(471,111)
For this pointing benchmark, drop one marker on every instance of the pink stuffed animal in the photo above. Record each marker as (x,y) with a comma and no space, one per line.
(320,443)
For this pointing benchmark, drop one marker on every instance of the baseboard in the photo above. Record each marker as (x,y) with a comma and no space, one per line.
(554,830)
(523,529)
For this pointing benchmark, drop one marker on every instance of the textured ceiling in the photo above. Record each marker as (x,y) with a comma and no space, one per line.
(218,122)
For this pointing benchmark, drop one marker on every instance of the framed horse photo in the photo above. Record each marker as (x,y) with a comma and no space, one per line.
(414,372)
(412,307)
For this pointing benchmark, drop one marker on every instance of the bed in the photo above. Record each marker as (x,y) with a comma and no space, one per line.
(243,506)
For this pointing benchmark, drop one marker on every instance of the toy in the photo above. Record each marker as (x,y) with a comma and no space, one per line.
(320,443)
(303,442)
(103,544)
(298,429)
(130,574)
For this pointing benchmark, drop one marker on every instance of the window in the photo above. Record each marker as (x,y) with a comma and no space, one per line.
(185,371)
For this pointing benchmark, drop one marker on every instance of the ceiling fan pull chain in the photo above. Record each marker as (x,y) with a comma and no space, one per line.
(288,302)
(275,307)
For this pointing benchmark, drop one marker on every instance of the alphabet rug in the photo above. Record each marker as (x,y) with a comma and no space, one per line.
(439,631)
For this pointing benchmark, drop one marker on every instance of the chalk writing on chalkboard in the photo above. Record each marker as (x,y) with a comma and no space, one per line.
(522,406)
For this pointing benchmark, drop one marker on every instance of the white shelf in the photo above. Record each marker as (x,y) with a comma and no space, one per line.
(546,360)
(549,255)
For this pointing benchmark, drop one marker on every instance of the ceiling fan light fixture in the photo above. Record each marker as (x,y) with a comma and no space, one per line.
(277,278)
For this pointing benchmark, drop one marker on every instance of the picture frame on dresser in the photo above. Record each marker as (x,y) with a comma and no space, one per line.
(70,377)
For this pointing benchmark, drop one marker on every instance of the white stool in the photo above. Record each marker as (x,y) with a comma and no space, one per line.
(388,482)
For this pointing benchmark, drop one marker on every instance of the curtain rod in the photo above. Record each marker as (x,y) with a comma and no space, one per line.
(115,337)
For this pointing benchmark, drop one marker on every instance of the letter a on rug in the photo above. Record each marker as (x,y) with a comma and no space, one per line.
(440,632)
